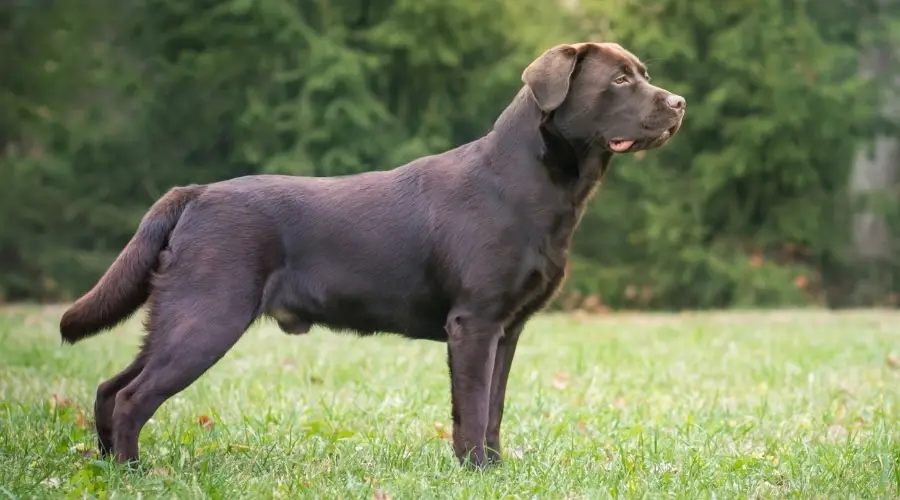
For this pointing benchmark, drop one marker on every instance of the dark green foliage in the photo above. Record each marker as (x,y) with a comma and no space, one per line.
(748,207)
(105,105)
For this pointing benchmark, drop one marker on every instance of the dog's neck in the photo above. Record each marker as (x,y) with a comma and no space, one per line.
(576,168)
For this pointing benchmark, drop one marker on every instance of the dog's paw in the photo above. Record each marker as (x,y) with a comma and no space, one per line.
(475,459)
(472,462)
(472,459)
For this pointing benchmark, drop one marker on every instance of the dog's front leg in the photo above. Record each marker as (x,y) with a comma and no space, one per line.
(506,350)
(471,348)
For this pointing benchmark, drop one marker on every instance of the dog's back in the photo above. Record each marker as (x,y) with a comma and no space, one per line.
(348,252)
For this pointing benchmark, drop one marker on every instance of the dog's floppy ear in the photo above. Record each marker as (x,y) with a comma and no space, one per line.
(548,76)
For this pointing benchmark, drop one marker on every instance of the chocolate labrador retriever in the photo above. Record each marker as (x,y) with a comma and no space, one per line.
(461,247)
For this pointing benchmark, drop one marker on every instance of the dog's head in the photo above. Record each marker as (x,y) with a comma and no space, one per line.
(599,93)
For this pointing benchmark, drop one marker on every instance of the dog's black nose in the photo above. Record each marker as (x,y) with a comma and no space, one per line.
(675,101)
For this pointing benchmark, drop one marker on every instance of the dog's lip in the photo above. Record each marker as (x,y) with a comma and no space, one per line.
(668,133)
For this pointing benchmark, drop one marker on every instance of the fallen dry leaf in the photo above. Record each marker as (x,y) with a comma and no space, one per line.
(206,422)
(371,481)
(801,282)
(892,360)
(571,301)
(81,419)
(58,401)
(619,403)
(591,302)
(442,432)
(756,260)
(380,495)
(560,381)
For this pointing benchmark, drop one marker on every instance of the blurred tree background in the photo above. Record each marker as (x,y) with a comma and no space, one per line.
(780,190)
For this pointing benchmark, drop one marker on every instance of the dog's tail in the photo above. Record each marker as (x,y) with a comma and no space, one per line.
(126,284)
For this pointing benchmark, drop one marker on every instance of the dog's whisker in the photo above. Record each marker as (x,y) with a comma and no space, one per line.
(654,59)
(592,141)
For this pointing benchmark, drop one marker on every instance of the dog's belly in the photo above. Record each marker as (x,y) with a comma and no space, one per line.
(298,300)
(362,320)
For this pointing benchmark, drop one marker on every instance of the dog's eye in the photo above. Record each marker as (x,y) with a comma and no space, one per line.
(621,80)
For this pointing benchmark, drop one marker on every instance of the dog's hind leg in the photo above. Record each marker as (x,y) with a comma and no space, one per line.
(106,402)
(191,327)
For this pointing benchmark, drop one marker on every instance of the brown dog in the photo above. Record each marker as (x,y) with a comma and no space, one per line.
(460,247)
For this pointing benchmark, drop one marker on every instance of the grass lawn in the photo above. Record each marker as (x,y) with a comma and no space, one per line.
(725,405)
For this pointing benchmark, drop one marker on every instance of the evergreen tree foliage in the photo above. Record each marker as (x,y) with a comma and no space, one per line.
(104,105)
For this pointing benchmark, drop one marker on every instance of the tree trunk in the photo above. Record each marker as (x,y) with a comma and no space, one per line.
(873,177)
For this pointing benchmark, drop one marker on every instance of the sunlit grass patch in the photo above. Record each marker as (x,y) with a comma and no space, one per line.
(796,404)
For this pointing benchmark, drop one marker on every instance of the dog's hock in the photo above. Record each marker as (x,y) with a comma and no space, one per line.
(548,76)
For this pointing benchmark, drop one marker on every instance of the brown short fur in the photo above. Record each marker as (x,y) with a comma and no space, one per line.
(460,247)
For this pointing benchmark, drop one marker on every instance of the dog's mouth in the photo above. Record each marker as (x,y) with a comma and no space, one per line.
(624,145)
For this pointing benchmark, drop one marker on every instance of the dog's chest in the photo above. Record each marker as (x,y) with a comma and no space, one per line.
(542,267)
